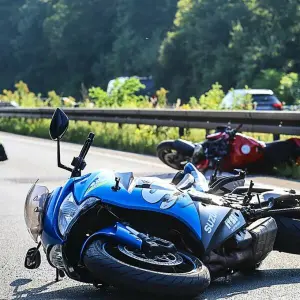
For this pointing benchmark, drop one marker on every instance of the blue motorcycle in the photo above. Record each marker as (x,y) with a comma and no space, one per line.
(111,228)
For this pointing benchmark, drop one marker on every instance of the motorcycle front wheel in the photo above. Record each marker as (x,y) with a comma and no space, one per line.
(173,274)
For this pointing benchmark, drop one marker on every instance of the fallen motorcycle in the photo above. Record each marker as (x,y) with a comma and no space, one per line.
(233,149)
(110,228)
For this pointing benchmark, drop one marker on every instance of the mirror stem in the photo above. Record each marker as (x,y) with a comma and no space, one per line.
(60,165)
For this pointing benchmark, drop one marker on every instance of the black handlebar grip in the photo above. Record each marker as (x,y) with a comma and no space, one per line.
(91,135)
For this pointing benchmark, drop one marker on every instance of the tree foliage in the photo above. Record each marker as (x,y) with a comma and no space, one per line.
(230,42)
(60,44)
(187,45)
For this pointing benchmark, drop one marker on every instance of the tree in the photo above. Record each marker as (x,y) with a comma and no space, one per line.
(8,22)
(230,42)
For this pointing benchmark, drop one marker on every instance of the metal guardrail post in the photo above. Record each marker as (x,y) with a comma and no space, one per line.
(181,131)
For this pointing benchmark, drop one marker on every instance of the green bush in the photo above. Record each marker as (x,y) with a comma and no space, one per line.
(289,88)
(123,94)
(285,86)
(268,79)
(210,100)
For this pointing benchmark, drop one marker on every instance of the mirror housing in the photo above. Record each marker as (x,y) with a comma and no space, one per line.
(59,125)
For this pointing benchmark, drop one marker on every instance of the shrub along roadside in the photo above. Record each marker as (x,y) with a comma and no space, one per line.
(138,139)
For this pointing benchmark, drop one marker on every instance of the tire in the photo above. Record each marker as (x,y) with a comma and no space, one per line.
(119,273)
(166,148)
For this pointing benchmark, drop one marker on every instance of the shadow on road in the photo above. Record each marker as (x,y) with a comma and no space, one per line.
(81,292)
(240,285)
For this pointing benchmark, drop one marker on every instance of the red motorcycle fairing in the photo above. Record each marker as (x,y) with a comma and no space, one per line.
(243,150)
(203,165)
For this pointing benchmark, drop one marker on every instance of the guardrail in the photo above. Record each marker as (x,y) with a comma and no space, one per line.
(276,123)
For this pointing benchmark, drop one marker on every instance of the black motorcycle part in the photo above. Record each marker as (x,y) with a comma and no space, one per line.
(218,224)
(280,151)
(116,187)
(107,263)
(153,246)
(222,182)
(242,239)
(263,233)
(32,259)
(215,148)
(288,235)
(3,155)
(184,147)
(221,128)
(256,242)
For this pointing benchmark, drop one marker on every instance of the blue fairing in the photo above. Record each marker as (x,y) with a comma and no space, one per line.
(148,194)
(50,234)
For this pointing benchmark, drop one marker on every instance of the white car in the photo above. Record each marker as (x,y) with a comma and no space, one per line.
(264,99)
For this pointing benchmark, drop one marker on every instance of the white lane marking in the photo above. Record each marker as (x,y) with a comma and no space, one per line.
(94,152)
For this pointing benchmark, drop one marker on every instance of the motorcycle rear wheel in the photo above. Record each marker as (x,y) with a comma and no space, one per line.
(121,267)
(170,156)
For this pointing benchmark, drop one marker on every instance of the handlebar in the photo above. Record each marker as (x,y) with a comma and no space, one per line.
(87,145)
(235,131)
(78,162)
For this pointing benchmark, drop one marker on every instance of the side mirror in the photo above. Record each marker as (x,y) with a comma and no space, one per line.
(59,124)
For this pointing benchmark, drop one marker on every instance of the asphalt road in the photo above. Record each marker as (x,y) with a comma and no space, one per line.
(29,159)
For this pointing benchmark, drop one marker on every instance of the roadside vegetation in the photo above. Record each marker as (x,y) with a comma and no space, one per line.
(140,139)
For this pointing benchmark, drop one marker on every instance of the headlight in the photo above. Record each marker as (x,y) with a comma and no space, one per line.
(69,210)
(34,209)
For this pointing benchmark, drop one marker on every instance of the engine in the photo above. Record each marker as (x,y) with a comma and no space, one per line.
(245,250)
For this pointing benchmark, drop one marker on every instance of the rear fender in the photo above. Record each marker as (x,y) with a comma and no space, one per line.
(184,147)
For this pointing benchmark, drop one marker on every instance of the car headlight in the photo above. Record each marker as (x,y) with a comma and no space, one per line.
(69,210)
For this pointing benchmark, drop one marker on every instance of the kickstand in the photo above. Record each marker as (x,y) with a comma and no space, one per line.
(57,275)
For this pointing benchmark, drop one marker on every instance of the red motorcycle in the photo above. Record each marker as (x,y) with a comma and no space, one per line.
(231,149)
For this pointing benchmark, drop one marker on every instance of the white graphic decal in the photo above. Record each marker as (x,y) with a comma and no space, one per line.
(245,149)
(151,196)
(169,200)
(232,222)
